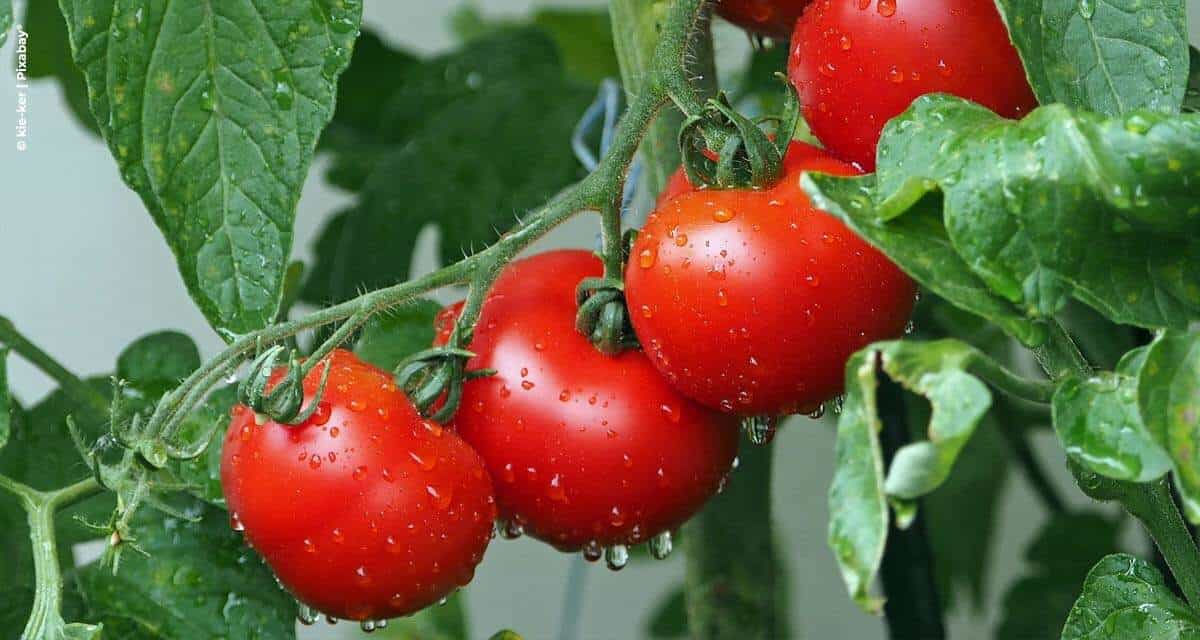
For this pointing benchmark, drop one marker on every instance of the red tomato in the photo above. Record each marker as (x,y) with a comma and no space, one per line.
(582,447)
(768,17)
(366,510)
(859,63)
(751,301)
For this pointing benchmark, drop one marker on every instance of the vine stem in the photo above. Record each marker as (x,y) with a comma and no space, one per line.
(1151,503)
(76,388)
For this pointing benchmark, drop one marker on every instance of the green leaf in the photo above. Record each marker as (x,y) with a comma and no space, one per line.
(445,622)
(6,404)
(668,618)
(390,337)
(1107,56)
(212,111)
(1060,556)
(1061,204)
(158,362)
(6,20)
(485,138)
(1169,398)
(50,57)
(1098,422)
(1125,598)
(199,581)
(859,495)
(583,37)
(918,244)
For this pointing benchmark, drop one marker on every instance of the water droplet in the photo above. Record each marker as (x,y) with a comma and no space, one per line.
(845,42)
(616,557)
(909,327)
(661,545)
(886,8)
(895,75)
(818,413)
(944,69)
(306,614)
(722,215)
(309,546)
(722,298)
(512,530)
(564,395)
(439,498)
(556,492)
(338,536)
(526,385)
(646,311)
(1087,8)
(760,430)
(646,258)
(616,517)
(235,522)
(592,551)
(314,461)
(426,463)
(367,626)
(361,576)
(828,69)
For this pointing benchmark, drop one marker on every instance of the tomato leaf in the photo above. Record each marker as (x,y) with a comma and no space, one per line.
(1125,598)
(390,337)
(1061,204)
(158,362)
(1105,56)
(50,57)
(861,490)
(1098,422)
(199,581)
(918,244)
(1035,604)
(212,111)
(6,404)
(481,137)
(6,20)
(1168,395)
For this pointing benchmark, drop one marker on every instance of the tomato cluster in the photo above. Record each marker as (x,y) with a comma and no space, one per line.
(746,302)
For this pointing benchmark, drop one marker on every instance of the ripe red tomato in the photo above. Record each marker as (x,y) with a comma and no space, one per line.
(366,510)
(859,63)
(768,17)
(751,301)
(582,447)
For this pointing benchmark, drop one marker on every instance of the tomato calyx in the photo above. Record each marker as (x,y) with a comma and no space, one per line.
(603,316)
(284,402)
(747,156)
(433,380)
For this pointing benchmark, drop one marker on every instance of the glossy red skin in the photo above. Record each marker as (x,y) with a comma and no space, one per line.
(856,67)
(758,314)
(365,511)
(769,17)
(582,446)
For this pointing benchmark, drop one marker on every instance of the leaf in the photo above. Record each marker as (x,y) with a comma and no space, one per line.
(668,618)
(1060,556)
(961,515)
(486,137)
(212,111)
(50,57)
(1098,422)
(1060,204)
(918,244)
(1125,598)
(1169,398)
(583,37)
(445,622)
(158,362)
(1107,56)
(6,20)
(6,404)
(390,337)
(859,495)
(199,581)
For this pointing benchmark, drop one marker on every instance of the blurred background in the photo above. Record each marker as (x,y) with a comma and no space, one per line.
(84,271)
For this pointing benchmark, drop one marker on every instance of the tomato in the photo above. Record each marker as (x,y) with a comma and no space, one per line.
(859,63)
(585,450)
(768,17)
(799,157)
(751,301)
(366,510)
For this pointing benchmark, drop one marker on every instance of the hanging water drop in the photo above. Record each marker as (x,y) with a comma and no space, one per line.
(592,551)
(1087,8)
(616,557)
(661,545)
(760,430)
(367,626)
(818,413)
(306,614)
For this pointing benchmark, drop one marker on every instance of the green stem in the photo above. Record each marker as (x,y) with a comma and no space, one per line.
(1040,391)
(1152,504)
(77,389)
(736,584)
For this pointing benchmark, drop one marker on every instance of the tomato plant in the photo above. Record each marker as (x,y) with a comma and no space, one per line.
(585,450)
(340,443)
(769,17)
(365,510)
(784,291)
(858,64)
